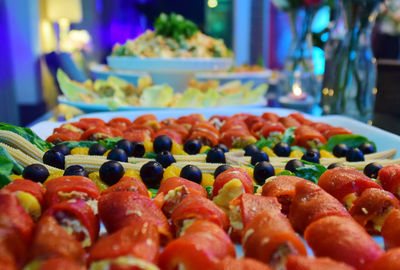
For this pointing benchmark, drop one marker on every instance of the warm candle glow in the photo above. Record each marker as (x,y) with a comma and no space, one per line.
(297,89)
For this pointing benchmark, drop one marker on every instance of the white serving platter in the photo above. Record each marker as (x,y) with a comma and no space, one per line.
(176,71)
(384,140)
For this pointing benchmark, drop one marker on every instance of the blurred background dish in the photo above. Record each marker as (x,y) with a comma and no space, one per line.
(257,77)
(102,72)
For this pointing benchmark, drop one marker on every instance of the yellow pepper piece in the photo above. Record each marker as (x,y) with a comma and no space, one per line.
(207,180)
(106,152)
(177,149)
(326,154)
(16,176)
(296,154)
(55,175)
(250,171)
(80,151)
(148,146)
(171,171)
(204,148)
(30,204)
(278,170)
(133,173)
(269,151)
(95,177)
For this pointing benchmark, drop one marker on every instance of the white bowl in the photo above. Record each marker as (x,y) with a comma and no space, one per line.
(102,72)
(176,72)
(258,77)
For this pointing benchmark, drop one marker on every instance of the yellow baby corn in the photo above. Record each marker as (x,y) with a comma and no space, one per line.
(14,140)
(93,163)
(25,160)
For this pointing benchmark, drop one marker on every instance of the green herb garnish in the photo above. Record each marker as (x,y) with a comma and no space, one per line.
(174,26)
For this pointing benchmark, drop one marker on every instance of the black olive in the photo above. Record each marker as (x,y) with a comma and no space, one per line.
(162,143)
(152,174)
(258,157)
(165,158)
(192,146)
(355,154)
(372,169)
(250,149)
(54,158)
(367,148)
(311,156)
(221,169)
(340,150)
(192,173)
(76,170)
(282,149)
(335,165)
(293,164)
(223,147)
(97,150)
(62,148)
(262,171)
(117,155)
(215,155)
(316,151)
(125,145)
(36,173)
(138,149)
(111,171)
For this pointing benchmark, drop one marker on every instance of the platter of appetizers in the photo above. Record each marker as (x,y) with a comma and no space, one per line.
(264,189)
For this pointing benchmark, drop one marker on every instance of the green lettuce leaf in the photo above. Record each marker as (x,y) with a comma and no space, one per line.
(286,137)
(108,143)
(351,140)
(157,96)
(254,96)
(153,192)
(6,167)
(28,134)
(310,171)
(71,89)
(191,98)
(210,98)
(16,167)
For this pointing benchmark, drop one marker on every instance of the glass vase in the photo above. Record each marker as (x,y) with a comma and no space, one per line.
(299,66)
(350,75)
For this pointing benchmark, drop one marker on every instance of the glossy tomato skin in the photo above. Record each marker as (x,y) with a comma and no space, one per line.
(28,186)
(201,247)
(372,204)
(356,247)
(305,134)
(389,178)
(230,174)
(311,203)
(230,263)
(60,264)
(140,240)
(266,234)
(391,231)
(51,240)
(120,209)
(197,207)
(127,183)
(296,262)
(388,261)
(77,209)
(283,187)
(342,181)
(68,184)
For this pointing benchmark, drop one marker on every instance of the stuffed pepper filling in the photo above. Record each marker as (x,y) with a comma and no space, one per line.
(124,261)
(30,204)
(173,198)
(228,192)
(65,196)
(73,227)
(235,217)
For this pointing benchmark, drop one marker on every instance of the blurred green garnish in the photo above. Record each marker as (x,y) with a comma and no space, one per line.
(174,26)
